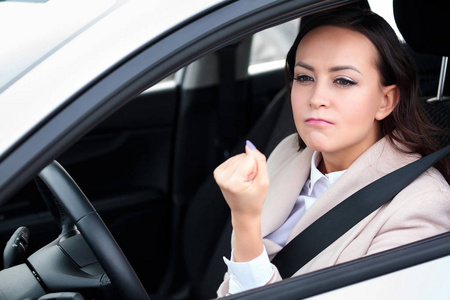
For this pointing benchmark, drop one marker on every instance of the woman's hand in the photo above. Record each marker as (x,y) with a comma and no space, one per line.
(243,181)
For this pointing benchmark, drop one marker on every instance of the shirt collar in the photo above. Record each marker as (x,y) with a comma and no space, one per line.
(316,175)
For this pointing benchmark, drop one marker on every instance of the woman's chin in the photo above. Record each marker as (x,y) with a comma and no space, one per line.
(319,145)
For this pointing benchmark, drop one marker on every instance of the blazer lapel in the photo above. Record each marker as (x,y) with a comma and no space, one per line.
(285,186)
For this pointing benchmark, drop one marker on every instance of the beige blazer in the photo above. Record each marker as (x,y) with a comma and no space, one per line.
(419,211)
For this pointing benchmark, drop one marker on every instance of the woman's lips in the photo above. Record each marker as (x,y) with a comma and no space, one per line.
(318,122)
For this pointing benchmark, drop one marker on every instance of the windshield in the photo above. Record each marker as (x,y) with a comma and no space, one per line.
(33,30)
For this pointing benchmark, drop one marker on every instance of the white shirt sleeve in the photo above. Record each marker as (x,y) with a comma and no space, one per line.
(249,275)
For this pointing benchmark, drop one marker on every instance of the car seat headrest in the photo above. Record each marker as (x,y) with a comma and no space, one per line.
(424,24)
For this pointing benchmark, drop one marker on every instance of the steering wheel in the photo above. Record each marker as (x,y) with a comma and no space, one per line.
(93,229)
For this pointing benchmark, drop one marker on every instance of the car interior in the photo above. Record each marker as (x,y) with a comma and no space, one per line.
(147,168)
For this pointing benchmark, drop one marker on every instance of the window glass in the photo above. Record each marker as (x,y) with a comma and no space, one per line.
(270,46)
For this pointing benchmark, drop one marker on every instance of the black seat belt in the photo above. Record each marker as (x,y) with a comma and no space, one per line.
(341,218)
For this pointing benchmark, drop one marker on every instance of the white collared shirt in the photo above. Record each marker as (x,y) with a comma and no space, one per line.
(257,272)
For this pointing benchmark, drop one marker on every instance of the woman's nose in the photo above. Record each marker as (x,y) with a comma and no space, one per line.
(319,97)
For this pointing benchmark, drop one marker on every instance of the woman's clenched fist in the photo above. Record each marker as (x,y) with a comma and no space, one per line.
(243,181)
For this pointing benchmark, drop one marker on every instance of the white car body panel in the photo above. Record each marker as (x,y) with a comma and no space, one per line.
(30,99)
(424,281)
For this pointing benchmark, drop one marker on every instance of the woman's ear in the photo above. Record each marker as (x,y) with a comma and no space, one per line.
(390,100)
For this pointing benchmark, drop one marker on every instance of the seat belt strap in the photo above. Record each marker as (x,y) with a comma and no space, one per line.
(333,224)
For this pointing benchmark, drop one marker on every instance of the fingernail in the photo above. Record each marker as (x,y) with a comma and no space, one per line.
(250,145)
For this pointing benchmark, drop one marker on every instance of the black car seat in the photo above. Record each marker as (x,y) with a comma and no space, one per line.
(425,29)
(207,226)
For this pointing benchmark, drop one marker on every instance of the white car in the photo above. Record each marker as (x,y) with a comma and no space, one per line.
(139,101)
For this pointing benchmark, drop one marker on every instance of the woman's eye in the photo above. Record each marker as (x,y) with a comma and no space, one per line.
(303,78)
(344,82)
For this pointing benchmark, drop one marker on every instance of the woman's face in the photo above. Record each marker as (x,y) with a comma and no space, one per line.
(337,98)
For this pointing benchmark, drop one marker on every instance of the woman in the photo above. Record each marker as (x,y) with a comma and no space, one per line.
(355,106)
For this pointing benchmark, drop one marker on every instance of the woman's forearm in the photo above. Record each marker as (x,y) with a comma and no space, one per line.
(247,239)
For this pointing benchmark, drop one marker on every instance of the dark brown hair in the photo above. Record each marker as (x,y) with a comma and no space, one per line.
(407,128)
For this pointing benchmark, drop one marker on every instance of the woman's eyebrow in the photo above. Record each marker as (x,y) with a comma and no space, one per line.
(332,69)
(346,67)
(303,65)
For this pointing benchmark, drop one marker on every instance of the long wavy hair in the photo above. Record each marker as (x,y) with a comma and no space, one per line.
(407,128)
